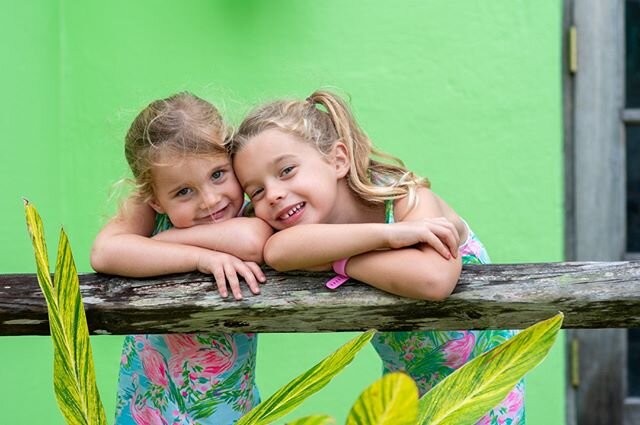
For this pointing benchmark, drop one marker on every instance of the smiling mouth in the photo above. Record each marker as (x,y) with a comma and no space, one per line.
(219,215)
(292,211)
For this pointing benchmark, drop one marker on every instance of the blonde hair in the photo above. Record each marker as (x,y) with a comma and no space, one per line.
(372,180)
(181,124)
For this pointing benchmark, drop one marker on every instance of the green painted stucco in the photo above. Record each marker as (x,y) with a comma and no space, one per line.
(468,93)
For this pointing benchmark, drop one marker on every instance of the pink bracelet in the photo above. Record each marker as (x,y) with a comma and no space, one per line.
(339,267)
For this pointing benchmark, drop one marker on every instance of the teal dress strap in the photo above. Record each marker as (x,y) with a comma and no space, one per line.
(389,218)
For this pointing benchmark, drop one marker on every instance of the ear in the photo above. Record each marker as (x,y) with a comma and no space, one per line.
(341,159)
(153,203)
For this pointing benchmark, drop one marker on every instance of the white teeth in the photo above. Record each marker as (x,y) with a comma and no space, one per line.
(291,211)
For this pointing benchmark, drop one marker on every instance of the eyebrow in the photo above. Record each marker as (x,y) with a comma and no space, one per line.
(283,157)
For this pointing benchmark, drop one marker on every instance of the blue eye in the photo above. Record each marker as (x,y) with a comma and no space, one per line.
(183,192)
(217,175)
(287,170)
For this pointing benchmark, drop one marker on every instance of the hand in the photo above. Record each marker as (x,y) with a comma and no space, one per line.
(226,268)
(439,233)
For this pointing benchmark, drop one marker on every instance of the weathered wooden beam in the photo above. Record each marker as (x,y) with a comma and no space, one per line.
(591,295)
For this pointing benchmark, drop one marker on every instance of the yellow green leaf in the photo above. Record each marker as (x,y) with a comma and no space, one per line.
(313,420)
(295,392)
(471,391)
(36,231)
(391,400)
(73,372)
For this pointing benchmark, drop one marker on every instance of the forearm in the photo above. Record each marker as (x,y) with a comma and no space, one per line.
(419,273)
(139,256)
(308,246)
(242,237)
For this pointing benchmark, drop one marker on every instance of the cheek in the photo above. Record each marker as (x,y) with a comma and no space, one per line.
(233,189)
(181,216)
(261,211)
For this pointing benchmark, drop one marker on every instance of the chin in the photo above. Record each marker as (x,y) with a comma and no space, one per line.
(277,226)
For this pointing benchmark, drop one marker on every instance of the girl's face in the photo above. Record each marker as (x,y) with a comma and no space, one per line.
(194,190)
(288,180)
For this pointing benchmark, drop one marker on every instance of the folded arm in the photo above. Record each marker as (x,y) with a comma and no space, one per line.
(243,237)
(419,273)
(416,257)
(124,246)
(311,245)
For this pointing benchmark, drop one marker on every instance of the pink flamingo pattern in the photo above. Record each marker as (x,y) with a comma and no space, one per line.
(186,378)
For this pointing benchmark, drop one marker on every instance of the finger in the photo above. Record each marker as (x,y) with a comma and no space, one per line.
(257,271)
(441,248)
(218,274)
(455,243)
(250,279)
(454,230)
(450,238)
(234,283)
(448,233)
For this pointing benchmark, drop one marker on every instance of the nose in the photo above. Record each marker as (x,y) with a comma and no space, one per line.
(208,198)
(274,193)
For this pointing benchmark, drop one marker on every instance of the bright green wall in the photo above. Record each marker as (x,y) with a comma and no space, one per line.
(468,93)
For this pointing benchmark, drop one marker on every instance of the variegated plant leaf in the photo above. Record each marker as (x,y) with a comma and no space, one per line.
(313,420)
(73,372)
(295,392)
(471,391)
(391,400)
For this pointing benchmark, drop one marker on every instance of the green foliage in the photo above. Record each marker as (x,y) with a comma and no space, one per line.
(462,397)
(73,373)
(471,391)
(295,392)
(391,400)
(313,420)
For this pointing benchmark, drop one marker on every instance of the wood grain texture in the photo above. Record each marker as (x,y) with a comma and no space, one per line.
(590,294)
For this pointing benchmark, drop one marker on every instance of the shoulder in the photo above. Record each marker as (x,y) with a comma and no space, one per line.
(428,205)
(423,203)
(134,217)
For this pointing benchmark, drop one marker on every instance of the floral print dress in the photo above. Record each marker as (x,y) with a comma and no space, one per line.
(429,356)
(186,378)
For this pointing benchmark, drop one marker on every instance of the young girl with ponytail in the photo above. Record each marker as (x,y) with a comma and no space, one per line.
(309,171)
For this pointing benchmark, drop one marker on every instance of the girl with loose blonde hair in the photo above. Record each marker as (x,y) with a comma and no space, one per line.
(186,214)
(339,204)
